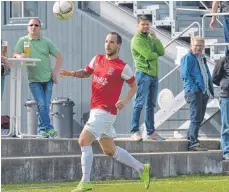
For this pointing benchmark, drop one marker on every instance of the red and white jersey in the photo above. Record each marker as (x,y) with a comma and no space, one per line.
(107,81)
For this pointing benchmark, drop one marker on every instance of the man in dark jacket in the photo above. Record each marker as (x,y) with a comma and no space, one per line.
(221,78)
(198,87)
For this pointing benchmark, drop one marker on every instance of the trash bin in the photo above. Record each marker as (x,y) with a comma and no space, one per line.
(62,113)
(32,117)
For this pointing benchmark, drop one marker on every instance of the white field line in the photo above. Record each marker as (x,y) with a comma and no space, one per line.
(124,183)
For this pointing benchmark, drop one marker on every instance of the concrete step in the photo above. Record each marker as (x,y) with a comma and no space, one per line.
(12,147)
(66,168)
(226,167)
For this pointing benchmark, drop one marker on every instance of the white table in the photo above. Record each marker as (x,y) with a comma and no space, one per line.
(15,93)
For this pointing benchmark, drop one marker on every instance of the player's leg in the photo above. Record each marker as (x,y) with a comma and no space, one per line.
(85,140)
(121,155)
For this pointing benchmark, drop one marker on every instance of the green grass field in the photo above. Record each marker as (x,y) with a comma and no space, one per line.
(173,184)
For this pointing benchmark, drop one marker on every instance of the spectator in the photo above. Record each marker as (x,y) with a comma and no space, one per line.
(145,48)
(41,77)
(221,78)
(4,66)
(198,87)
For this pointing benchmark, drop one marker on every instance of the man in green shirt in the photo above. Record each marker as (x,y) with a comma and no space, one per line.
(41,77)
(145,49)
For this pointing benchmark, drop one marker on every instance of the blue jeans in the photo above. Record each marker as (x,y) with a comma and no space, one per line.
(226,30)
(42,93)
(198,103)
(224,108)
(2,85)
(147,93)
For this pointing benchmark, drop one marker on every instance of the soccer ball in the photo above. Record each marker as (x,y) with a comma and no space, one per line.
(63,9)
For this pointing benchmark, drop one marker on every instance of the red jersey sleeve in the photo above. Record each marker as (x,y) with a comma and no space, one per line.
(90,67)
(128,75)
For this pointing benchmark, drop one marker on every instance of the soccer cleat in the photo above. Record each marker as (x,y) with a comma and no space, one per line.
(83,187)
(52,133)
(145,175)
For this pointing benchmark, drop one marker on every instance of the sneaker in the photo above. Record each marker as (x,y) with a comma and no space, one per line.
(197,148)
(226,158)
(44,134)
(83,187)
(136,137)
(154,137)
(52,133)
(145,175)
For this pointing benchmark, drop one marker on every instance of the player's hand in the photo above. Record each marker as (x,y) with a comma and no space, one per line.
(65,73)
(120,104)
(212,24)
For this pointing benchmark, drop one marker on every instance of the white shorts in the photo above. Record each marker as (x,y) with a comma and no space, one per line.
(100,124)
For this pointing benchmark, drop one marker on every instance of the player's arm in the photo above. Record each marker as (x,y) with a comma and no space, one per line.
(131,92)
(82,73)
(133,88)
(128,76)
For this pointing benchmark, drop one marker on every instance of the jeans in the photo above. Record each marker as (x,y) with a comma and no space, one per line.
(42,93)
(147,93)
(224,108)
(226,30)
(198,103)
(2,85)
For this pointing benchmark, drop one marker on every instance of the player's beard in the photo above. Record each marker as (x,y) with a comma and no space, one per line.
(111,53)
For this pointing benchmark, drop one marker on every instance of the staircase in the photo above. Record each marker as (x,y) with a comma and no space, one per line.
(37,160)
(175,17)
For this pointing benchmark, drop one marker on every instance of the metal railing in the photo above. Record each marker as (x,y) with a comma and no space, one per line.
(194,23)
(174,39)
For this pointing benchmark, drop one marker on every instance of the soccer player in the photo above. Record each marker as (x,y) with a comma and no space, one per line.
(109,73)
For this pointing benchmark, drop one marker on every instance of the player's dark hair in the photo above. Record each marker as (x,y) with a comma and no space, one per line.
(119,38)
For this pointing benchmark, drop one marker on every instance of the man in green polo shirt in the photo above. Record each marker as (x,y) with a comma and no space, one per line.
(41,77)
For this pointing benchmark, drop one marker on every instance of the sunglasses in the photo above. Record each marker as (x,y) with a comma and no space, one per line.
(35,25)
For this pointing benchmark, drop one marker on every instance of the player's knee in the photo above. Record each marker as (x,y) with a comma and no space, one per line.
(109,152)
(83,142)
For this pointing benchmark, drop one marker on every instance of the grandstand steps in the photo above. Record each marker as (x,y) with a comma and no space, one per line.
(68,167)
(34,160)
(226,167)
(15,147)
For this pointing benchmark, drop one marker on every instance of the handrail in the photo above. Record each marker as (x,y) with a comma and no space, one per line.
(217,44)
(210,12)
(166,3)
(194,23)
(169,73)
(184,9)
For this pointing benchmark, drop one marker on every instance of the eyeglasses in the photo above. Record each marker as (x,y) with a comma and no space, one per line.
(35,25)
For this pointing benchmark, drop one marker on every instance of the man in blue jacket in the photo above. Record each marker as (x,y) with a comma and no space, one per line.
(198,87)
